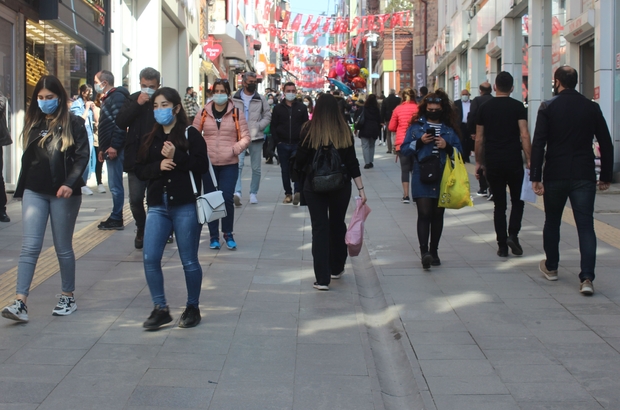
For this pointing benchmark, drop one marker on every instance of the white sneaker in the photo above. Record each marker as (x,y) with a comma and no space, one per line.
(86,190)
(16,311)
(253,199)
(101,189)
(338,276)
(66,305)
(237,199)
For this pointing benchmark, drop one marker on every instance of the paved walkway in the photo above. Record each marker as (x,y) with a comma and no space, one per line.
(480,332)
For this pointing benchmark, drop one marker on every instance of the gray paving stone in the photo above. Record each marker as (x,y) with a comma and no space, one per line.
(336,392)
(487,385)
(449,352)
(171,397)
(265,394)
(12,391)
(543,391)
(475,402)
(18,406)
(179,378)
(550,405)
(188,360)
(35,373)
(272,323)
(456,368)
(516,373)
(63,357)
(335,359)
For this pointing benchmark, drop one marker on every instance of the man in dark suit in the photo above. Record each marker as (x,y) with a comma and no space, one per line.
(463,107)
(387,108)
(485,95)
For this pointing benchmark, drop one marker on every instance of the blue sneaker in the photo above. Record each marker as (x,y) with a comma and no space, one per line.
(215,243)
(230,242)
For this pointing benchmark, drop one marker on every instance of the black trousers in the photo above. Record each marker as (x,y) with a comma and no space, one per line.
(327,215)
(466,142)
(498,179)
(2,188)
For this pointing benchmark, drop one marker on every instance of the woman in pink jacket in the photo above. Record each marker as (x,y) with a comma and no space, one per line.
(401,119)
(227,135)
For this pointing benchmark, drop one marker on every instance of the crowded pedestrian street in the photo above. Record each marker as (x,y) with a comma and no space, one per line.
(479,332)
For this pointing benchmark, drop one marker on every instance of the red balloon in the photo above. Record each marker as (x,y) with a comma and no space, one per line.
(359,82)
(332,73)
(353,70)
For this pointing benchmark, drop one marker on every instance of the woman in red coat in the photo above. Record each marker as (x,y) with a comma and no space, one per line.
(401,119)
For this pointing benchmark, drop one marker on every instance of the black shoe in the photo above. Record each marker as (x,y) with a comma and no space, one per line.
(190,317)
(514,245)
(371,165)
(138,243)
(159,317)
(367,166)
(111,225)
(269,161)
(436,261)
(427,260)
(4,217)
(503,251)
(406,199)
(482,192)
(490,196)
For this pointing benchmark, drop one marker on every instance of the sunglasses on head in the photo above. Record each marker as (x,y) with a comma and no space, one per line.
(434,100)
(220,81)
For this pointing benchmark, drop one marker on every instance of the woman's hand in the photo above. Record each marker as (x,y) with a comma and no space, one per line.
(441,143)
(168,150)
(167,164)
(362,195)
(64,192)
(428,138)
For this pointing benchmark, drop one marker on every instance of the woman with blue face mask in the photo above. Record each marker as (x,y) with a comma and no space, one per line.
(165,159)
(84,107)
(56,153)
(226,133)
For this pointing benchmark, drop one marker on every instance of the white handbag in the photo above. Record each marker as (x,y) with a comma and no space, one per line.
(211,206)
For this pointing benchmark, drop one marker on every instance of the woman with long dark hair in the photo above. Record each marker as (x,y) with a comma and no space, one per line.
(56,152)
(431,134)
(399,123)
(309,105)
(328,210)
(370,130)
(84,107)
(226,131)
(166,157)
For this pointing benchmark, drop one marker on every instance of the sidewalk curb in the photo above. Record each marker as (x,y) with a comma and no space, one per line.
(399,389)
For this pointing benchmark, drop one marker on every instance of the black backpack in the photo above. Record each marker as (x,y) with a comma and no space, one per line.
(328,172)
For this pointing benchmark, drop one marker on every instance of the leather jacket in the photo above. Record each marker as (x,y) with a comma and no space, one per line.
(66,168)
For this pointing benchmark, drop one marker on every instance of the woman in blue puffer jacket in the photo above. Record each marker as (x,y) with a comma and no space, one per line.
(432,133)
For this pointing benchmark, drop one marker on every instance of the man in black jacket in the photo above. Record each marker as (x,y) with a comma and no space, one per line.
(137,117)
(387,108)
(111,143)
(566,125)
(485,95)
(463,105)
(286,121)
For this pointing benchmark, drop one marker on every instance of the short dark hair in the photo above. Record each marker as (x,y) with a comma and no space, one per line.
(336,92)
(288,84)
(567,76)
(484,89)
(504,82)
(107,76)
(423,91)
(188,88)
(150,73)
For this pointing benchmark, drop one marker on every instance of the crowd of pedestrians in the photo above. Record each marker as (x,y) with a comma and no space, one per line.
(167,143)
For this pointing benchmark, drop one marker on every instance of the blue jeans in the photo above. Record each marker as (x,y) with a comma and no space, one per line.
(226,177)
(160,220)
(285,152)
(62,213)
(256,153)
(115,182)
(581,194)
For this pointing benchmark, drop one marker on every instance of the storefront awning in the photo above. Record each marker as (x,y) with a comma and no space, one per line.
(232,40)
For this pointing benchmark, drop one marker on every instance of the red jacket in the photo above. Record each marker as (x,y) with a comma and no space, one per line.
(400,121)
(222,145)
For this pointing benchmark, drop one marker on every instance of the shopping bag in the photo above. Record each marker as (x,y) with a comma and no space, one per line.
(527,193)
(355,233)
(210,207)
(454,188)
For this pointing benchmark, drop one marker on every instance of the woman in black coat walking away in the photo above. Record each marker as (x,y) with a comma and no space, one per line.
(370,130)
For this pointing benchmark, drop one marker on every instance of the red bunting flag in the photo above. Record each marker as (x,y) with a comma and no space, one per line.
(286,19)
(355,24)
(382,18)
(328,22)
(308,24)
(268,5)
(396,20)
(296,22)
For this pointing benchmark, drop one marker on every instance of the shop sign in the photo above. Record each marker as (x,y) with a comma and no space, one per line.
(597,93)
(271,68)
(580,28)
(261,67)
(212,51)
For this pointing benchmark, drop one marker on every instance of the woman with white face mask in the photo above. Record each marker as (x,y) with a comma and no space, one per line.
(226,132)
(165,158)
(56,152)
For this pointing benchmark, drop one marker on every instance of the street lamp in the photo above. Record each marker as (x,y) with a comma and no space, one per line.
(372,41)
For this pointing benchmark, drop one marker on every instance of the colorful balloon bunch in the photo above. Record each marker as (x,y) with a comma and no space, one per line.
(347,75)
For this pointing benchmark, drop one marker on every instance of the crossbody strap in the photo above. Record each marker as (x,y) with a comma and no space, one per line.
(191,174)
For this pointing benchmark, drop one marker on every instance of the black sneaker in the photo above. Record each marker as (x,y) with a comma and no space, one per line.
(490,196)
(138,243)
(427,260)
(436,261)
(514,245)
(4,217)
(190,317)
(482,192)
(503,251)
(159,317)
(111,225)
(406,199)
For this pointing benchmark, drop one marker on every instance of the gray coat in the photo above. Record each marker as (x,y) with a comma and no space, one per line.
(260,114)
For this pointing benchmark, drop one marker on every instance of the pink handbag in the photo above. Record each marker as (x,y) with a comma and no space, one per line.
(355,233)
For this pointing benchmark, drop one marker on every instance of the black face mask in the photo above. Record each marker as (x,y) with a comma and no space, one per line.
(434,115)
(251,87)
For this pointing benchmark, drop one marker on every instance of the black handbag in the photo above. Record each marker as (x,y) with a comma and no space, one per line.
(430,169)
(359,123)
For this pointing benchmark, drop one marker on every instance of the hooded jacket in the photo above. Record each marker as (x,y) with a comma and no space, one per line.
(66,168)
(110,135)
(286,122)
(259,115)
(139,120)
(222,143)
(400,121)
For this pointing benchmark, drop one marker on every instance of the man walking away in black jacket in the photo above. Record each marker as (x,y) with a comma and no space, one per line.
(387,108)
(566,126)
(137,117)
(485,95)
(286,121)
(111,144)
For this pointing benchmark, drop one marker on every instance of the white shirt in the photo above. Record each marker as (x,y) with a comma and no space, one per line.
(466,106)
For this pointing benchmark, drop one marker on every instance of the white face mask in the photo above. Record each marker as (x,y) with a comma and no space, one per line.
(148,91)
(270,102)
(465,98)
(290,96)
(306,103)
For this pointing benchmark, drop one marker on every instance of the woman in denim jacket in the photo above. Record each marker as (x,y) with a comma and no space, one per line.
(432,132)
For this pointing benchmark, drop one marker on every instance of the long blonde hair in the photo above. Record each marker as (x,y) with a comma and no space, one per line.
(327,125)
(60,125)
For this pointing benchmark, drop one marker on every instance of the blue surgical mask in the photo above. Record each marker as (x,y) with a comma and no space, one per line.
(148,91)
(98,88)
(290,96)
(48,106)
(220,99)
(164,116)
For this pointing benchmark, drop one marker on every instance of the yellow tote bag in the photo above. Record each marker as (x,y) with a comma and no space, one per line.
(454,188)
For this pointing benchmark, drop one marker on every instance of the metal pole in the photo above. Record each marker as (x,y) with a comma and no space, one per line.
(393,59)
